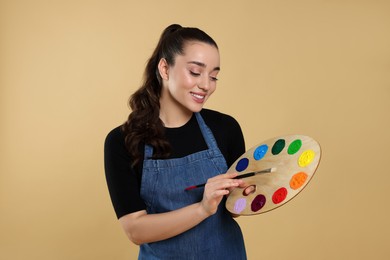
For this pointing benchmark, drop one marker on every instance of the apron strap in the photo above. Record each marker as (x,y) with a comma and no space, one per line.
(206,132)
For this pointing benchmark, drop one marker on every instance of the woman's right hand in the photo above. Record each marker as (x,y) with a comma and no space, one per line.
(216,188)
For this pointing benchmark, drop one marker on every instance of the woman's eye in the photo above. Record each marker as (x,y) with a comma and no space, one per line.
(194,73)
(214,78)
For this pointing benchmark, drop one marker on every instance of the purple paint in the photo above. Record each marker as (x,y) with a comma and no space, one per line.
(240,205)
(258,202)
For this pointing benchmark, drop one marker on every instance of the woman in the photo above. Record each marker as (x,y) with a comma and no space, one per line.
(169,143)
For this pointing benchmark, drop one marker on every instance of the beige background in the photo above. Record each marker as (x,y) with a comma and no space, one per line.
(320,68)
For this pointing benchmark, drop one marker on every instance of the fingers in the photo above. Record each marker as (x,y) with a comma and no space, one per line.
(216,188)
(224,181)
(228,175)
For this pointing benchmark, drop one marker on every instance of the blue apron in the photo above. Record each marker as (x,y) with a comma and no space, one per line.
(162,189)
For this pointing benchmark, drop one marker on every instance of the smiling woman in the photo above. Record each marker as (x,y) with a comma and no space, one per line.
(188,83)
(170,142)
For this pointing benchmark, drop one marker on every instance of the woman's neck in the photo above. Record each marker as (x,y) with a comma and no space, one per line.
(173,113)
(174,117)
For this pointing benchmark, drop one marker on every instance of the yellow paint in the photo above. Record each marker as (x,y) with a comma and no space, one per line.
(306,158)
(298,180)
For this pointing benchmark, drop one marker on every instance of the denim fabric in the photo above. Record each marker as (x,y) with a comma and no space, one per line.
(162,189)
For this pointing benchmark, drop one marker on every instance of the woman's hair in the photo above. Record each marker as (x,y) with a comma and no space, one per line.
(143,125)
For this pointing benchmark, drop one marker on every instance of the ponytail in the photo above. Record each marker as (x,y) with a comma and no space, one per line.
(144,125)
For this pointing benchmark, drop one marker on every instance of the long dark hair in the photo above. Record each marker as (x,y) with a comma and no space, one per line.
(143,125)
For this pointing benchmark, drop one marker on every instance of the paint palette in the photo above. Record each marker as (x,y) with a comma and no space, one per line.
(293,160)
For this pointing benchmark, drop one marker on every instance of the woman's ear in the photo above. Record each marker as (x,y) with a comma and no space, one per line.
(163,68)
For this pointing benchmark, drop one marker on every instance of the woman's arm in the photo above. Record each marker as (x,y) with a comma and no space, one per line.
(141,227)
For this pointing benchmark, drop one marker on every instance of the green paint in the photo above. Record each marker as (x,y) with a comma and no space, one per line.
(294,146)
(278,146)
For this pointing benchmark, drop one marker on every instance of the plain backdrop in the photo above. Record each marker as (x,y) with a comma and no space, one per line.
(319,68)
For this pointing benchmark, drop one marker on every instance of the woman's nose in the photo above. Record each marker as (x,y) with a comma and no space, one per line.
(204,84)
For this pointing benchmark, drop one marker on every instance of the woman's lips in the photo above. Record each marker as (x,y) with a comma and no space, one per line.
(198,97)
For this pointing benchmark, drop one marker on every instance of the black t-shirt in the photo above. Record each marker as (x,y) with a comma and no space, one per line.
(124,181)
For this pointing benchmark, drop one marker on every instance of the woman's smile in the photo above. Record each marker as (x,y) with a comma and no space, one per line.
(199,98)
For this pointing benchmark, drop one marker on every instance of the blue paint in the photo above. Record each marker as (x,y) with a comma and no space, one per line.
(260,152)
(242,164)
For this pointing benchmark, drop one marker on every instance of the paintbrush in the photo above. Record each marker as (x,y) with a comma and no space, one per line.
(245,175)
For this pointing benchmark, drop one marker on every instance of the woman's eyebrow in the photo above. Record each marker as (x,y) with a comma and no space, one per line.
(201,64)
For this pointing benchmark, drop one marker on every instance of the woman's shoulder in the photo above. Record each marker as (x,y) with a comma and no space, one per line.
(216,118)
(115,135)
(115,141)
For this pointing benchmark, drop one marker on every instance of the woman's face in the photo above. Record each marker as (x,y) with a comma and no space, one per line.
(192,79)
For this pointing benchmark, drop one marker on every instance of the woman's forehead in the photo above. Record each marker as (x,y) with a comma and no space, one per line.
(200,52)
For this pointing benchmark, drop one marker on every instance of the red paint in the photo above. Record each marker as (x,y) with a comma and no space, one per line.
(191,187)
(279,195)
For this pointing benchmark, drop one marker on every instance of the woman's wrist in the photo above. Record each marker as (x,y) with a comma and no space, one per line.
(202,212)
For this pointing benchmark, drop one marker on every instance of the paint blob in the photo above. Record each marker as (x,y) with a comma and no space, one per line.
(306,158)
(242,164)
(260,152)
(240,205)
(279,195)
(297,180)
(294,146)
(258,202)
(278,146)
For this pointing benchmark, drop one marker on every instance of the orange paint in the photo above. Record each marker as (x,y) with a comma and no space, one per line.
(297,180)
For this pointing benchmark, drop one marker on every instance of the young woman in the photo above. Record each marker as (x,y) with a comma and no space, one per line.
(168,143)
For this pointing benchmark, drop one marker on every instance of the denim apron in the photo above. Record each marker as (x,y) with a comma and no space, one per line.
(162,189)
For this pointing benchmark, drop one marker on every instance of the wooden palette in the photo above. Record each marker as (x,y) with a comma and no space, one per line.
(294,160)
